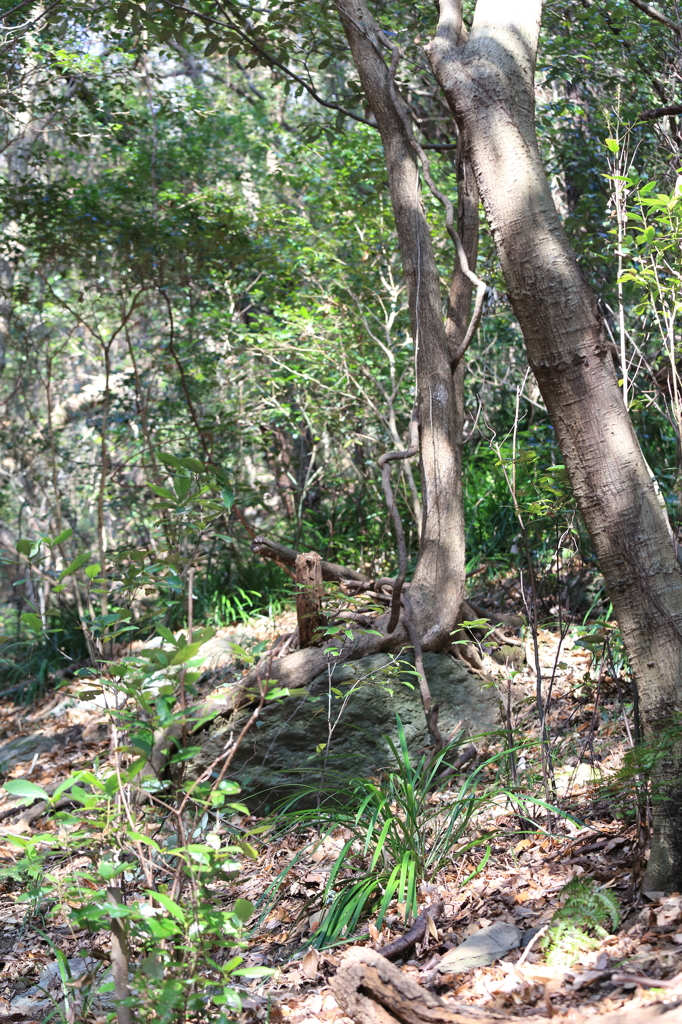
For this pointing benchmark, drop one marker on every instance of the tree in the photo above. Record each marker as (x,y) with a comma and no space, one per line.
(488,81)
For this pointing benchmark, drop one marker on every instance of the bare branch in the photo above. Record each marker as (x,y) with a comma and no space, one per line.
(287,556)
(652,115)
(657,16)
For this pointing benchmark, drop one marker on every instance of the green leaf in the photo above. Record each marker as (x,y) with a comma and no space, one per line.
(170,905)
(243,909)
(613,144)
(112,785)
(92,570)
(61,537)
(163,492)
(32,622)
(193,465)
(79,561)
(107,870)
(139,837)
(242,808)
(28,790)
(24,546)
(277,692)
(182,485)
(170,460)
(254,972)
(185,654)
(167,635)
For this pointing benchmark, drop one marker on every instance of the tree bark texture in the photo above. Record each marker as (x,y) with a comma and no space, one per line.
(488,81)
(437,587)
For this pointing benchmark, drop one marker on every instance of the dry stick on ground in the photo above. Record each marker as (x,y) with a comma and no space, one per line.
(468,754)
(415,934)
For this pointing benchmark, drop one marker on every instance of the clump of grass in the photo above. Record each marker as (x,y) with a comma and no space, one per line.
(401,834)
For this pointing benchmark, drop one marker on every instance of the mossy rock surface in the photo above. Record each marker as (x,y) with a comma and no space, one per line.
(281,752)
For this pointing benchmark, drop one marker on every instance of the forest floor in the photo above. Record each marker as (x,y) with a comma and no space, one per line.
(590,724)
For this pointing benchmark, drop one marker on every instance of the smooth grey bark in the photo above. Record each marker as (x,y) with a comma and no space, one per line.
(488,81)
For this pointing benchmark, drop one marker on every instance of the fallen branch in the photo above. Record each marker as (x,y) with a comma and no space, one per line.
(415,934)
(371,990)
(467,755)
(331,573)
(640,979)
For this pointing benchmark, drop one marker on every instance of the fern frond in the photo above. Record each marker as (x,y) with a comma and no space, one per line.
(578,926)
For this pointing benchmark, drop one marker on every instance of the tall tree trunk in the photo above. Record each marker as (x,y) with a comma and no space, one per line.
(489,83)
(437,587)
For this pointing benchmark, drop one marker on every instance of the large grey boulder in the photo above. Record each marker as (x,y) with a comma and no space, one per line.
(340,723)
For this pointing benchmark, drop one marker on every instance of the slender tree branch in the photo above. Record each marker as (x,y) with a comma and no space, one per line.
(445,201)
(652,115)
(235,26)
(385,466)
(657,16)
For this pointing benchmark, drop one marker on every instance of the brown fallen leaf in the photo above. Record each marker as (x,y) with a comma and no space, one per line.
(309,964)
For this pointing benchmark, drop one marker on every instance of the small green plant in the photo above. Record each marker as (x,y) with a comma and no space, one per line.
(143,844)
(578,926)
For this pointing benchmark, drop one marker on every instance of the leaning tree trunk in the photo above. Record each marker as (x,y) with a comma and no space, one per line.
(437,588)
(489,83)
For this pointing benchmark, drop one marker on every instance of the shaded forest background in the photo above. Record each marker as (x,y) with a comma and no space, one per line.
(198,260)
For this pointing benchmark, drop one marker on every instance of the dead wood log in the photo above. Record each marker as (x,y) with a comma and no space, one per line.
(309,594)
(371,990)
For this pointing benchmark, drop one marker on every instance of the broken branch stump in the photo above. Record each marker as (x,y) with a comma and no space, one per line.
(309,594)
